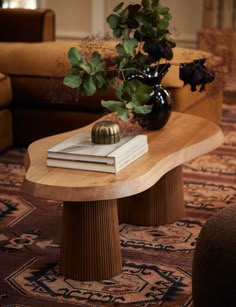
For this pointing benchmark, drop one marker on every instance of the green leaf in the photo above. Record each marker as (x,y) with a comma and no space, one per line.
(155,4)
(121,50)
(74,70)
(95,59)
(73,81)
(118,7)
(117,106)
(143,109)
(130,105)
(145,3)
(96,63)
(123,114)
(124,14)
(140,17)
(113,105)
(168,17)
(74,56)
(126,33)
(123,63)
(113,21)
(128,88)
(148,29)
(100,80)
(130,45)
(89,85)
(86,67)
(163,24)
(119,91)
(117,33)
(164,10)
(142,94)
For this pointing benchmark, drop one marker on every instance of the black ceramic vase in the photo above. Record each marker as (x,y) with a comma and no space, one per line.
(160,99)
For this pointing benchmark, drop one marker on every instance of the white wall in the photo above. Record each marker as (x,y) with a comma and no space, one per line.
(73,17)
(186,20)
(80,18)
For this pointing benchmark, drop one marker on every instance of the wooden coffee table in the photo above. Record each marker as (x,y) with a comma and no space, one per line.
(149,192)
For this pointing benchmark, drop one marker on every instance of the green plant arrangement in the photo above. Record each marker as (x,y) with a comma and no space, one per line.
(143,52)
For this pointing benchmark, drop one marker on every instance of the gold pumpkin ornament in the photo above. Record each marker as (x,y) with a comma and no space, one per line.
(105,132)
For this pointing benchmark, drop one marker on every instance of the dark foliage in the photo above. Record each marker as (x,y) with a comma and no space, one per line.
(196,73)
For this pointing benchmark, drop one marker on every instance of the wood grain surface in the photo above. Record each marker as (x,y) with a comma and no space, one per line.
(185,137)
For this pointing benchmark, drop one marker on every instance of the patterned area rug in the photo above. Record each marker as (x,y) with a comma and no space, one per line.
(156,260)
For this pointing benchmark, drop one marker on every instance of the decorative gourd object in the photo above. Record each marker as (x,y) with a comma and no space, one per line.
(105,132)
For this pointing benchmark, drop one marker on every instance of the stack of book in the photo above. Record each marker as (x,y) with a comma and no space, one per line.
(78,152)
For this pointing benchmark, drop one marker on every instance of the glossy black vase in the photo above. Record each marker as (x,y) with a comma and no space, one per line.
(160,99)
(161,110)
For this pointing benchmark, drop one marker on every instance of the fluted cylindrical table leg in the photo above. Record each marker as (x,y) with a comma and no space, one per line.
(90,247)
(161,204)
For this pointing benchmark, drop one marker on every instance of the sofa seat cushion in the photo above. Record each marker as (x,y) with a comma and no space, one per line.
(37,71)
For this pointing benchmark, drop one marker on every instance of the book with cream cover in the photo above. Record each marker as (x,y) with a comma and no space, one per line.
(79,152)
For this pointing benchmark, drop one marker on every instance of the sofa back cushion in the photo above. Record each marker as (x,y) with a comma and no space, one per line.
(26,25)
(37,71)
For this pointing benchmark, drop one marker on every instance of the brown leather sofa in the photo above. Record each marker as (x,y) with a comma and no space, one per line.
(43,106)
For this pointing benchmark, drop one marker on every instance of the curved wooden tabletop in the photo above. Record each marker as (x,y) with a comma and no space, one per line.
(184,137)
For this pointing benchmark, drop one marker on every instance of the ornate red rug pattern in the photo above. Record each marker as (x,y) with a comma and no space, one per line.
(156,260)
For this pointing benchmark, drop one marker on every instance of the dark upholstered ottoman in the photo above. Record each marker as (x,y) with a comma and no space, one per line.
(5,113)
(214,262)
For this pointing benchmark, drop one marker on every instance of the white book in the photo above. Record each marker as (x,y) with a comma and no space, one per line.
(79,147)
(100,167)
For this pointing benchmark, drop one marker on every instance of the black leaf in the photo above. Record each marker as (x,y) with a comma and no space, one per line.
(196,73)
